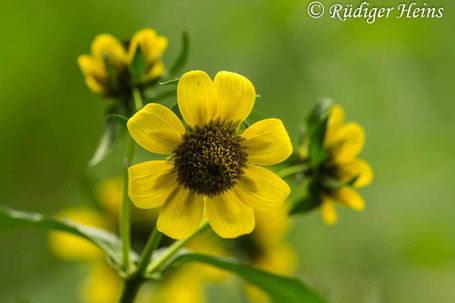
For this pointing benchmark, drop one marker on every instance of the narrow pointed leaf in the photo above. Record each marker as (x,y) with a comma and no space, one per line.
(181,59)
(316,151)
(280,289)
(108,138)
(138,67)
(106,241)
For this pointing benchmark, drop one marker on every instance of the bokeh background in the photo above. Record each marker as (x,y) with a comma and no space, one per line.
(394,77)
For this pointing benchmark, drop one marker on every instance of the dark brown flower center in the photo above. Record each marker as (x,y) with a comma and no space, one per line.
(210,159)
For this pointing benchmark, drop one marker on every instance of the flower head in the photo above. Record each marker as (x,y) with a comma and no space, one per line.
(213,166)
(107,70)
(342,170)
(152,47)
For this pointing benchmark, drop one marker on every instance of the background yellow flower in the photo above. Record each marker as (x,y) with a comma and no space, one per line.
(106,69)
(344,141)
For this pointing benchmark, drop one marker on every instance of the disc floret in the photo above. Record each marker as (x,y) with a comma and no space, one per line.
(210,158)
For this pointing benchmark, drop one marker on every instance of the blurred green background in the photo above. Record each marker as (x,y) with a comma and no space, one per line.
(394,77)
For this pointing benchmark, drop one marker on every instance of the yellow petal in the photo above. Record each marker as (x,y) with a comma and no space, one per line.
(156,128)
(95,73)
(197,98)
(228,216)
(181,214)
(183,286)
(328,211)
(152,45)
(236,96)
(71,247)
(279,259)
(109,192)
(356,168)
(260,188)
(150,183)
(267,142)
(271,226)
(348,197)
(95,86)
(102,285)
(256,295)
(347,143)
(157,70)
(105,44)
(336,119)
(302,150)
(91,67)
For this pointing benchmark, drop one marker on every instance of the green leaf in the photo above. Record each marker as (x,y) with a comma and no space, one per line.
(319,112)
(170,82)
(316,150)
(122,120)
(176,111)
(316,126)
(181,59)
(108,242)
(113,79)
(108,138)
(280,289)
(309,202)
(138,67)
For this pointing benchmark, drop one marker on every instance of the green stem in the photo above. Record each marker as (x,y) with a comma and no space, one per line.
(134,282)
(124,220)
(130,289)
(137,96)
(147,253)
(291,170)
(175,247)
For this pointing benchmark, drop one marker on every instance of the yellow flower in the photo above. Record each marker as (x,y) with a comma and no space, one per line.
(212,166)
(152,47)
(105,49)
(103,285)
(272,253)
(106,69)
(71,247)
(183,286)
(109,193)
(344,141)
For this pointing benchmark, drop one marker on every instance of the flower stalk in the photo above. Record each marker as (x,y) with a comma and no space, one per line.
(175,247)
(134,282)
(147,253)
(292,170)
(124,220)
